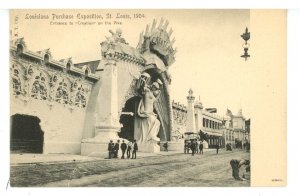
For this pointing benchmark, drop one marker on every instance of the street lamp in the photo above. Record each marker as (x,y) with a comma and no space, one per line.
(246,37)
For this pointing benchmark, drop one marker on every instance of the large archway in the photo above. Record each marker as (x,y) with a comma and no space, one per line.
(26,135)
(127,118)
(161,108)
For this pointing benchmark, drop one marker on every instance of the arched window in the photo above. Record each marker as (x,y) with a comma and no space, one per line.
(46,57)
(20,49)
(86,72)
(68,66)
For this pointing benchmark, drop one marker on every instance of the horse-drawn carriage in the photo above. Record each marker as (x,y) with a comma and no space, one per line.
(190,137)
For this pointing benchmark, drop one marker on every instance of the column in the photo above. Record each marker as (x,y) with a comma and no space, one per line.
(190,125)
(198,110)
(107,123)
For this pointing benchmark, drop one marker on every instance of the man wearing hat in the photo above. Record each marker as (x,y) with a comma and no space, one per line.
(123,148)
(135,148)
(110,149)
(116,149)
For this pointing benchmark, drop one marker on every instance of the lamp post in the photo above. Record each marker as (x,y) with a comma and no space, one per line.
(246,37)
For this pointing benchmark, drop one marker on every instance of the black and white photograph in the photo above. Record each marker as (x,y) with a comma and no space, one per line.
(147,98)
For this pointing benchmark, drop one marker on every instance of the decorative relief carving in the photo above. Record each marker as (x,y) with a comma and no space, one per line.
(80,99)
(32,81)
(28,72)
(62,95)
(16,82)
(52,83)
(116,37)
(39,89)
(27,78)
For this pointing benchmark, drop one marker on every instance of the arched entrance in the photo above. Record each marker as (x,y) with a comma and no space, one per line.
(160,108)
(127,118)
(26,135)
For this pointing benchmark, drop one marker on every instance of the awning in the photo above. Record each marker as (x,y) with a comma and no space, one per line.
(213,133)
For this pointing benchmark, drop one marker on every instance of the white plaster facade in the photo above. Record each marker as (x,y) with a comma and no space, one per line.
(76,102)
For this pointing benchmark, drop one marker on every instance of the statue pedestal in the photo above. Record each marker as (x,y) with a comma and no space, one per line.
(98,146)
(94,149)
(176,145)
(149,147)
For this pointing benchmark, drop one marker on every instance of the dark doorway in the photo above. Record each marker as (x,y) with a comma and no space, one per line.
(127,120)
(26,135)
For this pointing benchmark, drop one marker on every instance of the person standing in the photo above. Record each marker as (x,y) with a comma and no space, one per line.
(201,147)
(116,149)
(248,147)
(135,148)
(129,146)
(110,149)
(123,148)
(217,148)
(196,147)
(166,146)
(193,146)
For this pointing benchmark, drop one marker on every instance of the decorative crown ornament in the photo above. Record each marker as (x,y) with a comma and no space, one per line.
(157,40)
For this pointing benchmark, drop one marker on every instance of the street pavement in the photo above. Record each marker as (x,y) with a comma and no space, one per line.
(159,170)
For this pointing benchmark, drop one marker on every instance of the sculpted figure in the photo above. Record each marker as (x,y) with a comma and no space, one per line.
(149,124)
(116,37)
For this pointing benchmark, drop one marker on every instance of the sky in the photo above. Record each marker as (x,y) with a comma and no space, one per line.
(208,46)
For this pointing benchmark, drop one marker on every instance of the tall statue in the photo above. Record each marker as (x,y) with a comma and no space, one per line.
(149,125)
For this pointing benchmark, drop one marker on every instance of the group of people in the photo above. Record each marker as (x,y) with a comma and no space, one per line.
(113,149)
(195,146)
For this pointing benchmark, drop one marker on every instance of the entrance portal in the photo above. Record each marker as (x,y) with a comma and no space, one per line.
(26,135)
(127,118)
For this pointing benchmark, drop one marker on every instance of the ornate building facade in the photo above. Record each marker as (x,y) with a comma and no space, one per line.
(58,106)
(179,116)
(236,129)
(210,124)
(215,129)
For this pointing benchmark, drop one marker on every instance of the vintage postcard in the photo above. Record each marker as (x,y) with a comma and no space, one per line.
(147,98)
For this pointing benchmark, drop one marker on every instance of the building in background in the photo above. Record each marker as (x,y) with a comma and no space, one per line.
(236,129)
(213,128)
